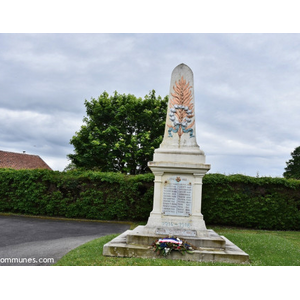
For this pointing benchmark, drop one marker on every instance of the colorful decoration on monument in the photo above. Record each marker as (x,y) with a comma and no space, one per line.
(166,245)
(181,109)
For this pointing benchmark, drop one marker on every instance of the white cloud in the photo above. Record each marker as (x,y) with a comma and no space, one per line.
(45,135)
(246,90)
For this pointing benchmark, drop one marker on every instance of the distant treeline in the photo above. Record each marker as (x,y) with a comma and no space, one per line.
(235,200)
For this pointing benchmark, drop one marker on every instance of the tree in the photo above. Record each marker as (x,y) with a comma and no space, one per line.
(292,169)
(120,133)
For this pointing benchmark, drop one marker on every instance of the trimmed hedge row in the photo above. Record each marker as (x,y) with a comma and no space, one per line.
(236,200)
(263,203)
(91,195)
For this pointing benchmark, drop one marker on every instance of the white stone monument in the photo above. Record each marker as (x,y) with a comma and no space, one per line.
(179,166)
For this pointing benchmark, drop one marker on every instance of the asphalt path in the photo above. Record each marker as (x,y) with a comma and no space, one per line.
(29,241)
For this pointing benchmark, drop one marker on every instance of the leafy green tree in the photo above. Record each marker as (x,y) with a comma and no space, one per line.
(292,169)
(120,133)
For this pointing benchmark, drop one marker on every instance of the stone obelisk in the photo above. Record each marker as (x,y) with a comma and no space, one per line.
(178,165)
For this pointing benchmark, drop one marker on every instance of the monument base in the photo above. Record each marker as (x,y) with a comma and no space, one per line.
(177,199)
(209,248)
(177,212)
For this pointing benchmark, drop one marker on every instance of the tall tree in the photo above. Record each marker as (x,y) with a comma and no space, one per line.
(120,133)
(292,169)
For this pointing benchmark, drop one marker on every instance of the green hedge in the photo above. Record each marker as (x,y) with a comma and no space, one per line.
(236,200)
(91,195)
(264,203)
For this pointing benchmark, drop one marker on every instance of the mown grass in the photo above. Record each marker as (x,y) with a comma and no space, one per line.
(265,248)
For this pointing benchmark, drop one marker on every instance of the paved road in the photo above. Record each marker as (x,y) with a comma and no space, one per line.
(26,241)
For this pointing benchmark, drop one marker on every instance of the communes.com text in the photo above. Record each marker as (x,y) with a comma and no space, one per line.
(31,260)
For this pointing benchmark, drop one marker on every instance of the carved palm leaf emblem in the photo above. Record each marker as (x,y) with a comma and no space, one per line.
(181,107)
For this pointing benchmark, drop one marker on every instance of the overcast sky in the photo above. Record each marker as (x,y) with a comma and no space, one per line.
(247,91)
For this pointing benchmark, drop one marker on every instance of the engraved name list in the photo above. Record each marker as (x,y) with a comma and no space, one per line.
(177,197)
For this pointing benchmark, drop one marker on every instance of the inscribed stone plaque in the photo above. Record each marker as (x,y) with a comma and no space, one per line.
(175,231)
(177,197)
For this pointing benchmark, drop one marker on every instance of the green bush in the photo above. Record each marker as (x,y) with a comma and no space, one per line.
(263,203)
(236,200)
(91,195)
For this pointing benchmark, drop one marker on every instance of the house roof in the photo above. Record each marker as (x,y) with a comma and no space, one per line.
(21,161)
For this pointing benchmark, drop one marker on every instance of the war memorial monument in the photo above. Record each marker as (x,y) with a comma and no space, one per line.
(179,166)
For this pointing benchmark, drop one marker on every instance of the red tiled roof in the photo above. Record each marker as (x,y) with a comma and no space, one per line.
(21,161)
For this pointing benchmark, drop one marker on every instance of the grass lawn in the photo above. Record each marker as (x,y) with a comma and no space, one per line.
(265,248)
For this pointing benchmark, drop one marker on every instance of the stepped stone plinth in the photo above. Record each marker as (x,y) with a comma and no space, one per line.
(213,248)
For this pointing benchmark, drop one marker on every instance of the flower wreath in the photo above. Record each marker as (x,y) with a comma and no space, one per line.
(166,245)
